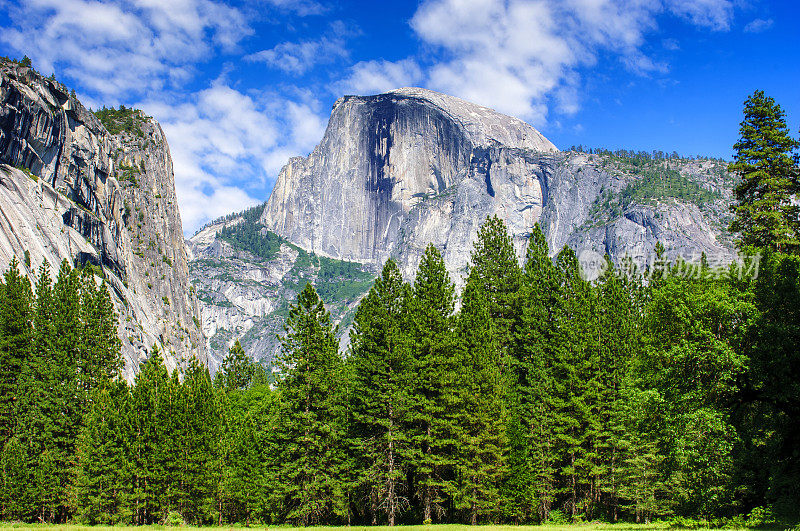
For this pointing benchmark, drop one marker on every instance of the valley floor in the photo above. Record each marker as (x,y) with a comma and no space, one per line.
(447,527)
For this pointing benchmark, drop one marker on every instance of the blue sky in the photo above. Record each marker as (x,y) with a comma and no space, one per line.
(241,86)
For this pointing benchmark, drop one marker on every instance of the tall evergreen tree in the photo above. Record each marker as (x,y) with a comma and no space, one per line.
(152,381)
(617,320)
(202,433)
(310,432)
(431,323)
(103,482)
(382,373)
(172,450)
(498,272)
(51,405)
(530,485)
(100,357)
(476,409)
(765,214)
(574,343)
(15,342)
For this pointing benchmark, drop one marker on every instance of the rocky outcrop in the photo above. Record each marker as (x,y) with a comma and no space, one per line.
(246,297)
(71,190)
(402,169)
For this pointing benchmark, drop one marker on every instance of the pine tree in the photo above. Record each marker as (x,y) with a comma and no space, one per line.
(617,326)
(15,342)
(70,398)
(431,323)
(765,214)
(476,408)
(202,431)
(311,432)
(382,371)
(641,484)
(574,343)
(498,273)
(146,444)
(172,455)
(237,369)
(103,482)
(100,357)
(48,410)
(530,486)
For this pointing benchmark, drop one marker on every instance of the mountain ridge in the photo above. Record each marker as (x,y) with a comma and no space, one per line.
(100,198)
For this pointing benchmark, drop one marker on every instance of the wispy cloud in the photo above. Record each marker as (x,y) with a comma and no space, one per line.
(758,25)
(299,57)
(303,8)
(712,14)
(373,77)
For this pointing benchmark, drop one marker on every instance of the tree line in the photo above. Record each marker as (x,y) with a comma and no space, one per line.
(534,395)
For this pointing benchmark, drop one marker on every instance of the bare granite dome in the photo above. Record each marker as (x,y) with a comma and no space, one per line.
(485,126)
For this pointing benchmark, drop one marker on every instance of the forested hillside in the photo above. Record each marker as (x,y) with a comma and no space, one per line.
(668,391)
(545,398)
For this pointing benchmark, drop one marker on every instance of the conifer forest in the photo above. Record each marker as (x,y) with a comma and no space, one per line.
(531,395)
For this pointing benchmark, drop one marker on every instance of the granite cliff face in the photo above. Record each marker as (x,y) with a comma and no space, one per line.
(380,157)
(399,170)
(402,169)
(70,189)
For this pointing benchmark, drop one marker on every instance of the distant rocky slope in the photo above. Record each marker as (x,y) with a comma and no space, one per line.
(101,192)
(246,276)
(396,171)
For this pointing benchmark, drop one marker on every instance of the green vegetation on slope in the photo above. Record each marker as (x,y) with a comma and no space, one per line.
(122,119)
(653,180)
(658,183)
(335,280)
(252,238)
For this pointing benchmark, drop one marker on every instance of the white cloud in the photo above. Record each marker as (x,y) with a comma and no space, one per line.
(118,48)
(299,57)
(301,7)
(223,140)
(758,25)
(521,56)
(373,77)
(712,14)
